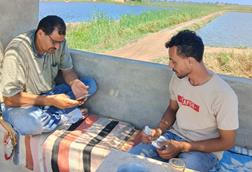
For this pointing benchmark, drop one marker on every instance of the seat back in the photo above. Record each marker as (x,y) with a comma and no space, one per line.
(1,65)
(137,92)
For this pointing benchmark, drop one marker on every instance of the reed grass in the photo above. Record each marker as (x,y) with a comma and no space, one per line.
(103,33)
(229,63)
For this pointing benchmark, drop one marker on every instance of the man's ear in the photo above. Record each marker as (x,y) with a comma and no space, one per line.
(191,60)
(40,32)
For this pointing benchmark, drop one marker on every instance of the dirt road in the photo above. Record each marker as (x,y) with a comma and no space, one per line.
(152,45)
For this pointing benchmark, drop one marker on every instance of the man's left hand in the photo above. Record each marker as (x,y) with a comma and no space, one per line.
(172,149)
(79,88)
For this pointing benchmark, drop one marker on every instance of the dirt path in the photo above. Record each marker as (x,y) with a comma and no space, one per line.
(152,45)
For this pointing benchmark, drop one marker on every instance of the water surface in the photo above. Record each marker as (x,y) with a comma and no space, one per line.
(233,29)
(85,11)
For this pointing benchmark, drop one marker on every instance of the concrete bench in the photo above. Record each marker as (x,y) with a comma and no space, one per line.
(137,93)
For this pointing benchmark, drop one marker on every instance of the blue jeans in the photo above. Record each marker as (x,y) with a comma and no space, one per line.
(195,160)
(32,120)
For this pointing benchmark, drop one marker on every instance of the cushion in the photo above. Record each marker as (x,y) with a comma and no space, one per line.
(80,147)
(236,159)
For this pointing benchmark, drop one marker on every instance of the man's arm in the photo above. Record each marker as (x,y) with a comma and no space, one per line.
(166,122)
(25,99)
(169,116)
(78,87)
(225,141)
(59,100)
(69,76)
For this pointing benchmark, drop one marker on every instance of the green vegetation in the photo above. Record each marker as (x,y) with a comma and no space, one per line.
(76,1)
(224,58)
(103,33)
(230,63)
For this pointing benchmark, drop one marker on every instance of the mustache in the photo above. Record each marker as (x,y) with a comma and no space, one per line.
(52,49)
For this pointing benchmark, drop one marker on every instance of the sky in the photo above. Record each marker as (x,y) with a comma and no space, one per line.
(241,2)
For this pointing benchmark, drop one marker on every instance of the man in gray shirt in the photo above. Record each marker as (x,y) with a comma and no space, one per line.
(31,102)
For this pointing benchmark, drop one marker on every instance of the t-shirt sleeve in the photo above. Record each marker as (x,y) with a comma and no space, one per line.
(172,87)
(13,76)
(65,59)
(227,112)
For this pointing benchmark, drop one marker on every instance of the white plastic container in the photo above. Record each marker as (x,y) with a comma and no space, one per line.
(147,130)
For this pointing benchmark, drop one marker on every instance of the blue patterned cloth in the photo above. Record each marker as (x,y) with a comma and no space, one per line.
(237,159)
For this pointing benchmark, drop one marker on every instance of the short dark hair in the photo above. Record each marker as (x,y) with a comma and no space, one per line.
(188,44)
(49,23)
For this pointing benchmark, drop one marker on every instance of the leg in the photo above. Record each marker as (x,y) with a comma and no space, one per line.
(34,120)
(171,136)
(30,120)
(66,89)
(146,150)
(199,161)
(91,83)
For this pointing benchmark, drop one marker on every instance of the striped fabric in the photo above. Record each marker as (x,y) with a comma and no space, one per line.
(81,148)
(84,148)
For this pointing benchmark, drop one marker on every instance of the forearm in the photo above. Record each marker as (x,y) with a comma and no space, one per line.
(168,119)
(211,145)
(25,99)
(69,76)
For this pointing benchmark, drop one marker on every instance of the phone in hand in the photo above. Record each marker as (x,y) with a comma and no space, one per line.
(82,97)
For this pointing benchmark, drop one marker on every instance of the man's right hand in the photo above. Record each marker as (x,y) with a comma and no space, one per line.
(62,101)
(155,133)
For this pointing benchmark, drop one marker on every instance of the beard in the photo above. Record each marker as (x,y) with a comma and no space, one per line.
(180,76)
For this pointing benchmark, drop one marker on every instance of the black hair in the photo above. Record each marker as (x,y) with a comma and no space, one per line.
(188,44)
(49,23)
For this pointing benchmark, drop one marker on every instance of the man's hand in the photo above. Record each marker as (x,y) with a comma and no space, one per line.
(62,101)
(170,149)
(155,133)
(79,88)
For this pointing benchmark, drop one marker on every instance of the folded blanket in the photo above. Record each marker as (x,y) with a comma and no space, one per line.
(83,146)
(236,159)
(80,148)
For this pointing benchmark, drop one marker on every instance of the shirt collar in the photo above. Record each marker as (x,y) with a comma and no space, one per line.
(36,53)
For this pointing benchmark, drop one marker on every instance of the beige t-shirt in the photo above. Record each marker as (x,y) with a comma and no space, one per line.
(203,109)
(24,70)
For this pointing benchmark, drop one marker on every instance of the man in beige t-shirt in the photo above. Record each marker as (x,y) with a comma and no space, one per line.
(29,99)
(202,114)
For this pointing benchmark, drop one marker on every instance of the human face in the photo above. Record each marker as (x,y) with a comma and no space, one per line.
(179,64)
(50,43)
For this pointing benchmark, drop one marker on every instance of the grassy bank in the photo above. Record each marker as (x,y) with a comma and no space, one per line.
(229,63)
(105,34)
